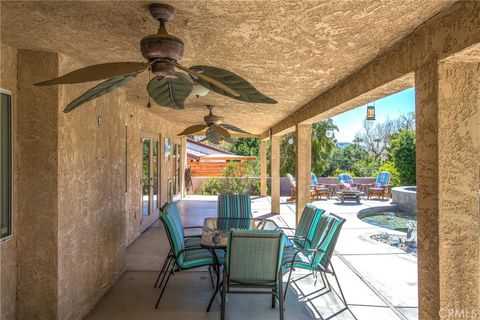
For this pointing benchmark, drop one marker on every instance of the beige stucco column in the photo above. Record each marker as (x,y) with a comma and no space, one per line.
(38,186)
(448,103)
(183,164)
(303,150)
(275,174)
(263,168)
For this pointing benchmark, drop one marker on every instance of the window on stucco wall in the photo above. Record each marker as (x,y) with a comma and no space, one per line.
(6,164)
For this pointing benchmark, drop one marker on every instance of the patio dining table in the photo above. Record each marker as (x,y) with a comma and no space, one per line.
(215,236)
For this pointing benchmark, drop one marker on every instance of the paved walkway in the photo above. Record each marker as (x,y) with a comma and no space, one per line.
(379,282)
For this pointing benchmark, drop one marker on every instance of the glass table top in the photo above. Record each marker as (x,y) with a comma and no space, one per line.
(215,230)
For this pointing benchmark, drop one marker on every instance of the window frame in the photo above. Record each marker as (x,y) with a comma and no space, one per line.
(11,224)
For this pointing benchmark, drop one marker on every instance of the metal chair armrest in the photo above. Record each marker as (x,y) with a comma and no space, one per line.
(193,227)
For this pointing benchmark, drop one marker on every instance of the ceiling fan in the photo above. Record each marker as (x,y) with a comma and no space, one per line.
(169,87)
(216,130)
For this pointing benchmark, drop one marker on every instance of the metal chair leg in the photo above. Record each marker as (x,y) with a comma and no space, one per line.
(280,295)
(288,282)
(273,298)
(224,295)
(211,277)
(163,267)
(338,284)
(163,290)
(171,263)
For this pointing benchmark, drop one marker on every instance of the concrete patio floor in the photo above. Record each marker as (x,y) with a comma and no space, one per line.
(379,281)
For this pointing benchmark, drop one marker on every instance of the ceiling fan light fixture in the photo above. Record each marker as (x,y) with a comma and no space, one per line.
(199,90)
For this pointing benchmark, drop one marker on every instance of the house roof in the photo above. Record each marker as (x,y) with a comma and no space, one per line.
(196,149)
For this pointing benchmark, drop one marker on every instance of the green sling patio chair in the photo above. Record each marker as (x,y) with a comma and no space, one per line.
(253,261)
(182,257)
(237,206)
(234,206)
(317,258)
(306,227)
(190,241)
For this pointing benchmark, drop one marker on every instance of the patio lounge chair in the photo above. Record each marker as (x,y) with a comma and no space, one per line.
(320,189)
(317,258)
(253,261)
(303,235)
(345,181)
(182,257)
(381,186)
(293,188)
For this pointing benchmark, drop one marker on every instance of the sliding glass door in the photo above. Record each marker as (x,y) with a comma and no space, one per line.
(150,178)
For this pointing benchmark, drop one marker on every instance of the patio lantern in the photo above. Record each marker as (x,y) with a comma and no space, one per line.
(370,112)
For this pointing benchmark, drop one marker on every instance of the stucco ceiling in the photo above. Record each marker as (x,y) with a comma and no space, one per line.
(291,51)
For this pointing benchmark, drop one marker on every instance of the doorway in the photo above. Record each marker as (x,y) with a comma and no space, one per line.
(150,179)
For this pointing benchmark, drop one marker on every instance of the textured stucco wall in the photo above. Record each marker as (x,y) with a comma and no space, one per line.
(91,204)
(97,219)
(37,187)
(459,164)
(447,111)
(8,249)
(74,218)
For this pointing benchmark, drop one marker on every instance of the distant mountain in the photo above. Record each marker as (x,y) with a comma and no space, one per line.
(343,144)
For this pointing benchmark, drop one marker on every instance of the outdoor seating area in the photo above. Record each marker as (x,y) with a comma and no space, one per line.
(189,292)
(346,189)
(253,253)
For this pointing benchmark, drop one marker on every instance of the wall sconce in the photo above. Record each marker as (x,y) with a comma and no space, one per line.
(370,112)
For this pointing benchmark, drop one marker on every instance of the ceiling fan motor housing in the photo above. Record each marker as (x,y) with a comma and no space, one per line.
(210,119)
(162,45)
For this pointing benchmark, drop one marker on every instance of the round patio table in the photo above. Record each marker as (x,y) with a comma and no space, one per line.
(349,195)
(215,236)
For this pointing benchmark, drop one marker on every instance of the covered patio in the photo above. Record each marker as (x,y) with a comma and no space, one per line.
(380,282)
(82,238)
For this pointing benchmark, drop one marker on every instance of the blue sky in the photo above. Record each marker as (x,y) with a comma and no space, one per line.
(389,107)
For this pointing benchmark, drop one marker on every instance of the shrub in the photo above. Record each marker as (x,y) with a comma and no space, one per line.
(235,180)
(211,186)
(402,153)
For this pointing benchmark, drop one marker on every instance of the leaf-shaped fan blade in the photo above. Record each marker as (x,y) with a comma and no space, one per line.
(233,128)
(229,140)
(248,93)
(97,91)
(98,72)
(221,131)
(170,92)
(212,136)
(193,129)
(207,79)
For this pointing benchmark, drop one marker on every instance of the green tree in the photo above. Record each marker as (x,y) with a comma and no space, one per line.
(245,146)
(322,146)
(345,159)
(402,154)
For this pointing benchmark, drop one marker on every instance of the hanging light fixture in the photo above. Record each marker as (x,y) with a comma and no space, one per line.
(371,112)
